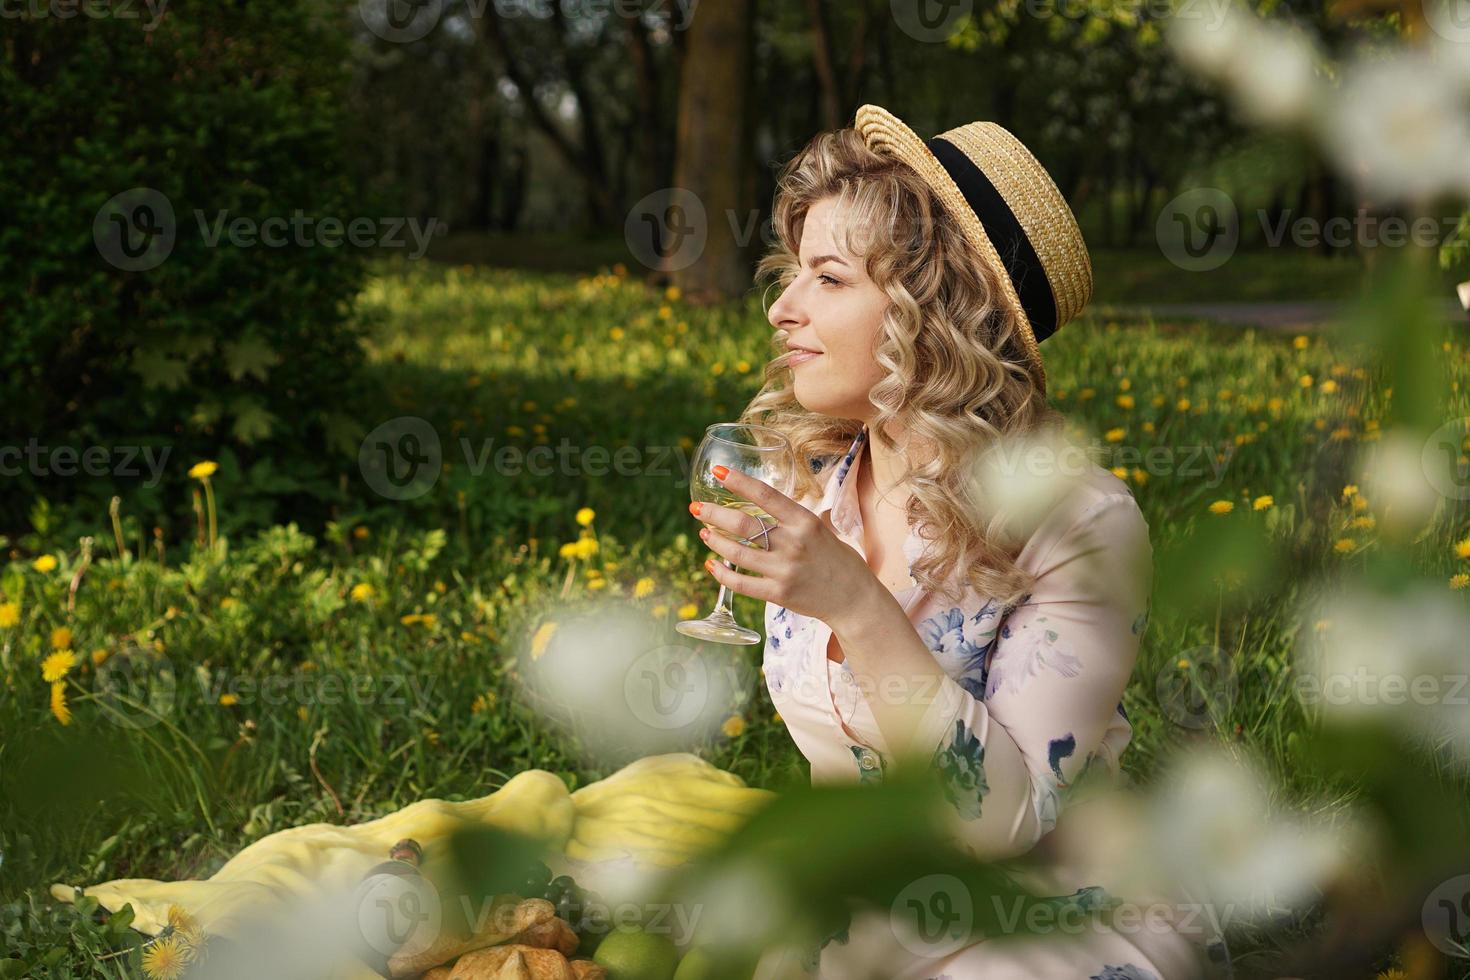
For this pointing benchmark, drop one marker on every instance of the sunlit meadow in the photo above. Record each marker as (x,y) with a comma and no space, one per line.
(239,718)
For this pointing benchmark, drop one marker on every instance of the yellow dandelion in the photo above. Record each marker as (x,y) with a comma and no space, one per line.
(1462,548)
(586,547)
(61,638)
(616,333)
(203,470)
(1344,545)
(229,602)
(776,717)
(597,583)
(59,707)
(643,587)
(1364,521)
(688,611)
(9,614)
(167,958)
(1300,342)
(58,665)
(1351,490)
(1183,664)
(1121,472)
(1360,502)
(1263,501)
(361,531)
(733,727)
(46,563)
(1459,580)
(586,516)
(186,927)
(362,592)
(1182,405)
(98,656)
(1088,394)
(1140,476)
(542,639)
(1124,401)
(228,700)
(1328,386)
(1305,381)
(659,610)
(301,712)
(1222,507)
(569,550)
(1115,435)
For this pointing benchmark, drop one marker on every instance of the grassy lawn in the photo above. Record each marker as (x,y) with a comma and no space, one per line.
(1133,276)
(441,596)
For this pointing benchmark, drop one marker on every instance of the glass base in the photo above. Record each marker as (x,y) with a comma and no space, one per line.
(718,628)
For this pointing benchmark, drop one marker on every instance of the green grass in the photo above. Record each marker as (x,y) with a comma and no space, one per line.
(601,360)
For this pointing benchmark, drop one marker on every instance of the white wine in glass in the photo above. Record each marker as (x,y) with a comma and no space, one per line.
(757,451)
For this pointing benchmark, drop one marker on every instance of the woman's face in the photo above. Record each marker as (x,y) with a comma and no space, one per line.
(831,307)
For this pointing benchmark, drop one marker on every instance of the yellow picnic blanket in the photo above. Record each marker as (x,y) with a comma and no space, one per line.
(657,812)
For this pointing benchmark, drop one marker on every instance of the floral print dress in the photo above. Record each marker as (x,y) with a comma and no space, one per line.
(1031,704)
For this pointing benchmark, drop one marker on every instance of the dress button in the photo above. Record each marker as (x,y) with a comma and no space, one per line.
(867,761)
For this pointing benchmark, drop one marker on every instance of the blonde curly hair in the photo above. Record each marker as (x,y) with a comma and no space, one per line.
(958,380)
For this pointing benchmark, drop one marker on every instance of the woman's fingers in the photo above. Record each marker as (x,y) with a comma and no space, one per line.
(744,555)
(756,588)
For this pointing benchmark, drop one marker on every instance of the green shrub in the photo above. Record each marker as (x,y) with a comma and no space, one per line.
(246,351)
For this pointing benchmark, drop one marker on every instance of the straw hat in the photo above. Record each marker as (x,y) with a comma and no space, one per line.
(1010,210)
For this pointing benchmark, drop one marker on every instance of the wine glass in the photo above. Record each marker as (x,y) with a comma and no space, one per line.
(758,451)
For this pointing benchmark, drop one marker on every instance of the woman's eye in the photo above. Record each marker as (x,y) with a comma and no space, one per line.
(827,280)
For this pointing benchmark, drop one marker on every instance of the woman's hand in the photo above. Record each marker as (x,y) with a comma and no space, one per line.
(807,569)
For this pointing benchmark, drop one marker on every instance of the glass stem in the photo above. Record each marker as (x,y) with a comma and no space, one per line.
(722,604)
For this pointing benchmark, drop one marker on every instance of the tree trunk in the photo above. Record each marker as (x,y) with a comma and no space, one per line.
(712,149)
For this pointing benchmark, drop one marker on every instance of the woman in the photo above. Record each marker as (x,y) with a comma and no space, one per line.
(906,618)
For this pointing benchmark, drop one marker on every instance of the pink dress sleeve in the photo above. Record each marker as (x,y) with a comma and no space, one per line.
(1054,682)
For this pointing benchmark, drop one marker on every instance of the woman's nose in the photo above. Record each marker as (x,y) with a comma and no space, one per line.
(786,312)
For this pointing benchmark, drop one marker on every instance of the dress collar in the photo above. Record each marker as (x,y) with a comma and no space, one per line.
(840,496)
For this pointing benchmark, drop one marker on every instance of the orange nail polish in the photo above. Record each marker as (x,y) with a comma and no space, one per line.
(694,507)
(709,565)
(704,534)
(720,472)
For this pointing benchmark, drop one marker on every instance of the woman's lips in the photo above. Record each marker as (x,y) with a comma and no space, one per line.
(798,356)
